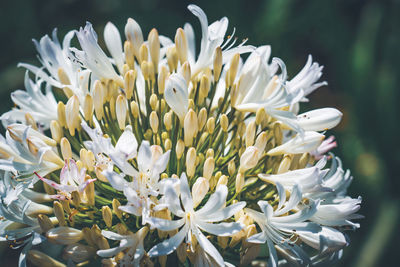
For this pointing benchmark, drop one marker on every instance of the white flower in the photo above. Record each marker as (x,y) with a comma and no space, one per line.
(324,147)
(42,107)
(133,243)
(300,143)
(212,36)
(71,179)
(278,229)
(193,221)
(151,163)
(93,57)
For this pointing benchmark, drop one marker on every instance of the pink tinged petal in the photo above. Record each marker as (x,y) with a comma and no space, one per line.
(215,202)
(165,225)
(186,196)
(221,229)
(86,183)
(208,247)
(63,188)
(224,213)
(169,245)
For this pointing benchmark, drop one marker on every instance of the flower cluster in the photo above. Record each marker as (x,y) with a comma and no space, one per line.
(153,153)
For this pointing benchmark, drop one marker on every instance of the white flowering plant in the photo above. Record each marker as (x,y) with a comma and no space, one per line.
(151,154)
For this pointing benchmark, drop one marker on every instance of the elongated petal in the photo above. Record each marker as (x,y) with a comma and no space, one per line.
(165,225)
(169,245)
(113,42)
(176,95)
(224,213)
(221,229)
(299,144)
(115,179)
(186,196)
(209,248)
(215,202)
(319,119)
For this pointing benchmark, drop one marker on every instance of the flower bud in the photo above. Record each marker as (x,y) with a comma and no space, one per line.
(303,161)
(191,162)
(78,252)
(261,141)
(224,122)
(134,109)
(180,148)
(172,58)
(190,127)
(239,183)
(231,73)
(143,55)
(210,125)
(59,213)
(37,258)
(154,45)
(277,129)
(223,180)
(89,191)
(181,45)
(217,63)
(88,108)
(202,118)
(231,167)
(260,115)
(121,109)
(30,121)
(115,205)
(185,71)
(98,99)
(56,131)
(72,114)
(129,55)
(65,148)
(208,169)
(199,190)
(44,223)
(129,83)
(168,144)
(64,235)
(162,76)
(154,121)
(285,164)
(223,241)
(249,159)
(250,133)
(133,34)
(61,114)
(107,215)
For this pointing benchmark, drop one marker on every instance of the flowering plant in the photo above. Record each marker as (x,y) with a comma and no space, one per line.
(161,155)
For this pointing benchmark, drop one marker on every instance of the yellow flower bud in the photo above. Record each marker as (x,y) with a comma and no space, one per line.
(143,53)
(231,73)
(64,235)
(250,133)
(154,45)
(44,223)
(224,122)
(190,127)
(162,77)
(210,125)
(59,213)
(56,131)
(172,58)
(98,99)
(129,54)
(261,141)
(277,129)
(186,72)
(217,63)
(116,204)
(181,45)
(199,190)
(121,109)
(129,83)
(223,180)
(191,162)
(154,121)
(153,101)
(180,148)
(72,114)
(135,109)
(249,159)
(231,167)
(61,114)
(78,252)
(88,108)
(107,215)
(65,148)
(208,169)
(239,183)
(76,198)
(30,121)
(37,258)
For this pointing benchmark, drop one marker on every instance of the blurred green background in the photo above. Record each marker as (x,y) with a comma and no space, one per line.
(357,41)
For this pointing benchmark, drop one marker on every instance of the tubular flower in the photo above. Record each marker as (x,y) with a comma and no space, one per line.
(158,154)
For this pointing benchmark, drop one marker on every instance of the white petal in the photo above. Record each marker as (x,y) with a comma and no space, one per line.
(215,202)
(221,229)
(127,144)
(208,247)
(176,94)
(113,42)
(299,144)
(169,245)
(319,119)
(186,196)
(115,179)
(165,225)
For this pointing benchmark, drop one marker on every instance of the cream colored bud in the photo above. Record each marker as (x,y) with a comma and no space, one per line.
(30,121)
(37,258)
(217,63)
(134,109)
(285,164)
(98,99)
(143,53)
(63,77)
(168,144)
(303,161)
(76,198)
(210,125)
(180,148)
(129,83)
(44,223)
(154,121)
(61,114)
(134,34)
(190,127)
(199,190)
(72,114)
(162,77)
(208,169)
(153,101)
(121,109)
(88,108)
(102,242)
(172,58)
(89,191)
(231,167)
(115,205)
(249,158)
(78,252)
(107,215)
(67,91)
(150,68)
(168,121)
(241,129)
(239,183)
(87,235)
(204,88)
(186,72)
(148,134)
(56,131)
(260,116)
(224,122)
(59,213)
(261,141)
(65,205)
(129,55)
(191,162)
(181,45)
(250,133)
(64,235)
(202,118)
(277,129)
(210,153)
(89,160)
(223,180)
(154,45)
(65,148)
(231,73)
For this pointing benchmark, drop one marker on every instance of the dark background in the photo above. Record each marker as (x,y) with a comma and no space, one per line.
(357,41)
